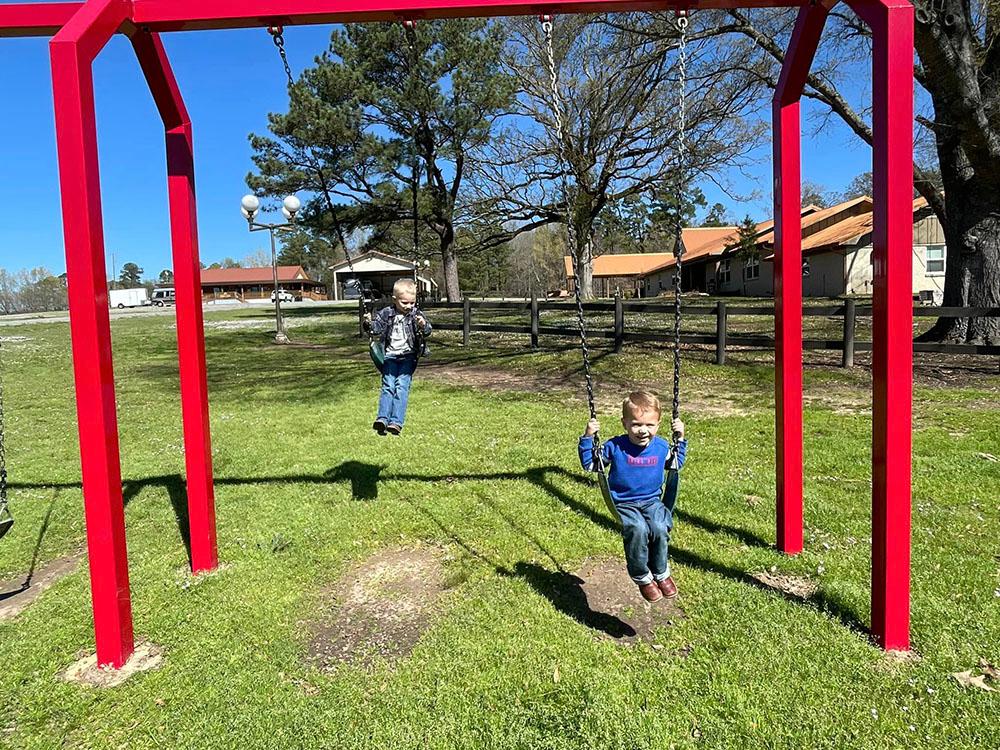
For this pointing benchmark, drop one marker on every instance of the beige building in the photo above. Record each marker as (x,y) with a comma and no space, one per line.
(837,256)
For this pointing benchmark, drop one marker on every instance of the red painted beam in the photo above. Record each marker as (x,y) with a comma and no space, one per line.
(178,15)
(72,51)
(35,19)
(187,284)
(788,275)
(891,23)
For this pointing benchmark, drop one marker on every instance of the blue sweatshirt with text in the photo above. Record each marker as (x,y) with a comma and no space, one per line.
(635,473)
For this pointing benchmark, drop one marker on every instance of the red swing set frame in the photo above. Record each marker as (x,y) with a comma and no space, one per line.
(79,31)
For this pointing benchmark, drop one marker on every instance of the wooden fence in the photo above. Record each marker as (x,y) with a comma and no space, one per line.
(722,311)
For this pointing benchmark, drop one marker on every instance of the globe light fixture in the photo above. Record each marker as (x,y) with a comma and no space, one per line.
(249,207)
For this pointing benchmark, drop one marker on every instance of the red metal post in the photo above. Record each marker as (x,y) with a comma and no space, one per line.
(892,316)
(187,285)
(72,51)
(788,275)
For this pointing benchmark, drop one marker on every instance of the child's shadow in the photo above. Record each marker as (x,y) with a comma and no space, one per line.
(363,478)
(566,593)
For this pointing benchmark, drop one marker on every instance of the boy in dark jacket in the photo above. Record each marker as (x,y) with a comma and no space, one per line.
(402,329)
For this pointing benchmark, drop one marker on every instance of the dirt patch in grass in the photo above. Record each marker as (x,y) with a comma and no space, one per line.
(796,586)
(18,593)
(610,604)
(379,609)
(86,671)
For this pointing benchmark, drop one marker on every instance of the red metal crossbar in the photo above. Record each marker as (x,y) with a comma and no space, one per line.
(80,31)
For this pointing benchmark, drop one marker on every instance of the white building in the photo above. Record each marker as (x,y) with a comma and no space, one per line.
(381,271)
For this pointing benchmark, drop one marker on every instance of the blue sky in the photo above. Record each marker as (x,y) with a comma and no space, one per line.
(230,81)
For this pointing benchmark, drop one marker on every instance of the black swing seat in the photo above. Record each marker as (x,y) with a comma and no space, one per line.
(6,522)
(671,485)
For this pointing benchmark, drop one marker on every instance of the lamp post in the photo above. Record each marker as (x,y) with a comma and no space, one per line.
(249,206)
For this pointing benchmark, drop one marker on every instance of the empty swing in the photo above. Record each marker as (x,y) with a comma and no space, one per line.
(671,485)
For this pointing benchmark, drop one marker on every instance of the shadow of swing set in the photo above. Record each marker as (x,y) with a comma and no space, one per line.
(79,31)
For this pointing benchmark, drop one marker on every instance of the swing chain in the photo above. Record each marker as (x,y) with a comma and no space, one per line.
(277,36)
(682,25)
(571,238)
(4,511)
(411,41)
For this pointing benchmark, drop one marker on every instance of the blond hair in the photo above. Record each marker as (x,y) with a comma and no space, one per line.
(639,402)
(404,286)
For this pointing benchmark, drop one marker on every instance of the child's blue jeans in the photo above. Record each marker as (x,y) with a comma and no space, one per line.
(646,532)
(397,374)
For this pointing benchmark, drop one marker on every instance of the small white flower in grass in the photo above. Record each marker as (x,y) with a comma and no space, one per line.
(930,690)
(913,728)
(874,714)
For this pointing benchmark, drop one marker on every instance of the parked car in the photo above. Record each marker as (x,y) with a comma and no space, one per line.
(361,288)
(284,295)
(122,298)
(163,297)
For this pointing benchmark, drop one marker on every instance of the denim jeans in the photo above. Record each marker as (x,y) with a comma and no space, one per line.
(646,532)
(397,374)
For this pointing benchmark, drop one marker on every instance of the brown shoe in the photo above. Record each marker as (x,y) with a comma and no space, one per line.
(393,429)
(379,426)
(650,592)
(668,587)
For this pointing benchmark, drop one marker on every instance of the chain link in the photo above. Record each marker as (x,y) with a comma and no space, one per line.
(681,185)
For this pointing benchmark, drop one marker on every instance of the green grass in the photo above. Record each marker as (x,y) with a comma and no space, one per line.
(491,477)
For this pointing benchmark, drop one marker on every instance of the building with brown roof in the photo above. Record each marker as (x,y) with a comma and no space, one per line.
(623,273)
(836,250)
(244,284)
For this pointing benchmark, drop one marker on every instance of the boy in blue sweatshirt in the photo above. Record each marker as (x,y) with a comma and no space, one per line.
(636,463)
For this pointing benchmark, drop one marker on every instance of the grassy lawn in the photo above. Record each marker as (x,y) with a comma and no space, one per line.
(489,477)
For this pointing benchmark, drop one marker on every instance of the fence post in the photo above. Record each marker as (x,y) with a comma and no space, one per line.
(848,359)
(721,319)
(619,322)
(534,321)
(466,320)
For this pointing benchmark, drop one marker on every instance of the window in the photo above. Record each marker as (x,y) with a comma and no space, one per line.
(724,272)
(752,268)
(935,259)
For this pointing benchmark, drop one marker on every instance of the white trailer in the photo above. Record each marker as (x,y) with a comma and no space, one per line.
(122,298)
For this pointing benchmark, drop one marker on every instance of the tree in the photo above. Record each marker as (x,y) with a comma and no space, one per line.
(814,194)
(40,291)
(258,259)
(716,216)
(166,276)
(746,242)
(619,90)
(862,184)
(130,276)
(535,263)
(230,263)
(315,254)
(957,154)
(382,100)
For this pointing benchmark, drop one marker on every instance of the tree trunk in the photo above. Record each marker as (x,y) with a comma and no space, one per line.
(972,269)
(449,265)
(972,237)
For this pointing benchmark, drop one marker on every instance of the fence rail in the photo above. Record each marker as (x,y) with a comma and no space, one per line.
(721,311)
